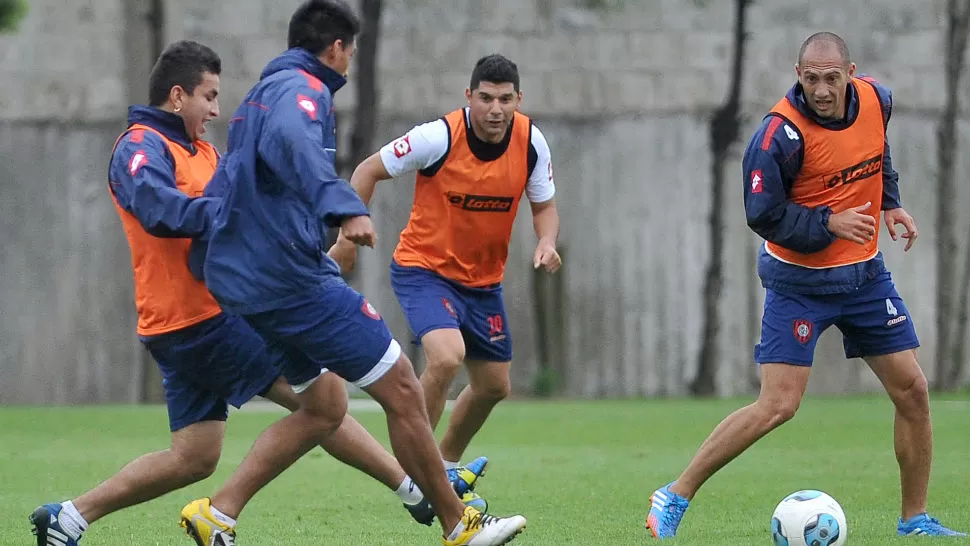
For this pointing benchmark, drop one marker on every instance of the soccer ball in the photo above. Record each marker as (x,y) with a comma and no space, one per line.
(808,518)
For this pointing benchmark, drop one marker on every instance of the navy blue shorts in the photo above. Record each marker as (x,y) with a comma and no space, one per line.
(873,319)
(209,365)
(334,329)
(432,302)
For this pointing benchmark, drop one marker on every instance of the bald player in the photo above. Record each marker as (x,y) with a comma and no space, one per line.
(817,175)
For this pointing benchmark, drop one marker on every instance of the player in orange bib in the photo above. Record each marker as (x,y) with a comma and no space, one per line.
(816,176)
(473,166)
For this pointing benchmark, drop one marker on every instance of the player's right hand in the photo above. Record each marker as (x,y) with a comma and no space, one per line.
(344,253)
(854,224)
(359,230)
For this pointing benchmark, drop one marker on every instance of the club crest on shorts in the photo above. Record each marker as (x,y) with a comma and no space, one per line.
(802,330)
(449,307)
(370,311)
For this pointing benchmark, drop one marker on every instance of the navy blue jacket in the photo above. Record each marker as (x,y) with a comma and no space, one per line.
(280,190)
(772,215)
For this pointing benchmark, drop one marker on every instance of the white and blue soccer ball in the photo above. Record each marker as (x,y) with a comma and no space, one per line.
(808,518)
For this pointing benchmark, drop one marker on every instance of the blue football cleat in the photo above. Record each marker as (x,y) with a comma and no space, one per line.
(926,526)
(47,527)
(666,510)
(474,500)
(463,478)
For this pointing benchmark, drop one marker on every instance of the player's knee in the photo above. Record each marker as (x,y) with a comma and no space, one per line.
(786,412)
(493,391)
(914,397)
(323,405)
(197,462)
(446,363)
(445,351)
(322,420)
(780,409)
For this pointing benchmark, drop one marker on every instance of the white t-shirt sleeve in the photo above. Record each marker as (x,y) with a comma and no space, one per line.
(420,148)
(541,186)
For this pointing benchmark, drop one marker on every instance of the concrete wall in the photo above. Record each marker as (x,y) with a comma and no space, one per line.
(623,94)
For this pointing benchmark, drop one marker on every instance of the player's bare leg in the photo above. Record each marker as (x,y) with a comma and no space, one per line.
(350,444)
(322,408)
(782,388)
(193,457)
(488,385)
(906,385)
(444,351)
(412,439)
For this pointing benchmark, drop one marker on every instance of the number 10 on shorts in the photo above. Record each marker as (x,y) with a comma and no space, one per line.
(495,325)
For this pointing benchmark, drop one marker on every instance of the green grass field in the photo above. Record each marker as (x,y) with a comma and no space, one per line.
(581,472)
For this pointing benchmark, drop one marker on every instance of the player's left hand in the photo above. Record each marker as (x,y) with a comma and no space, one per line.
(546,257)
(900,216)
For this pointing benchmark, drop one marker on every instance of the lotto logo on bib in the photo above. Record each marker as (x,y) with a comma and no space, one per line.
(802,330)
(369,310)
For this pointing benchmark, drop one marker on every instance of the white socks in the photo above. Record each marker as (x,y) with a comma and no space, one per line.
(451,465)
(409,492)
(222,518)
(457,530)
(71,520)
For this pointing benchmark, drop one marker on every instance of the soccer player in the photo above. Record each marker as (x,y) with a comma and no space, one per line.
(816,176)
(473,165)
(208,358)
(265,260)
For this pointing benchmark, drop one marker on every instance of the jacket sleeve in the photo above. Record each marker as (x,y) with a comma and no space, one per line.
(142,178)
(770,164)
(890,183)
(890,178)
(292,146)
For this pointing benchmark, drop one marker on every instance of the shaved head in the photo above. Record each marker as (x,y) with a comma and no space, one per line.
(825,40)
(824,72)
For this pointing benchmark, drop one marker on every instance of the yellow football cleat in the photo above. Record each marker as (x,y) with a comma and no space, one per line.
(203,527)
(484,530)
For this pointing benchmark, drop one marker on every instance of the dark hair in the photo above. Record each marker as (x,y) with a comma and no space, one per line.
(317,24)
(182,63)
(829,38)
(495,68)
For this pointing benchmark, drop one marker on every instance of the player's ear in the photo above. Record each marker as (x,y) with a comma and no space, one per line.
(468,95)
(177,96)
(851,69)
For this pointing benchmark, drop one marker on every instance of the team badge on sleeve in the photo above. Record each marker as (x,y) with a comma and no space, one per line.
(307,105)
(802,330)
(757,181)
(136,162)
(370,311)
(402,146)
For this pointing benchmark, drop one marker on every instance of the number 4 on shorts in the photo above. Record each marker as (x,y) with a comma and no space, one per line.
(890,308)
